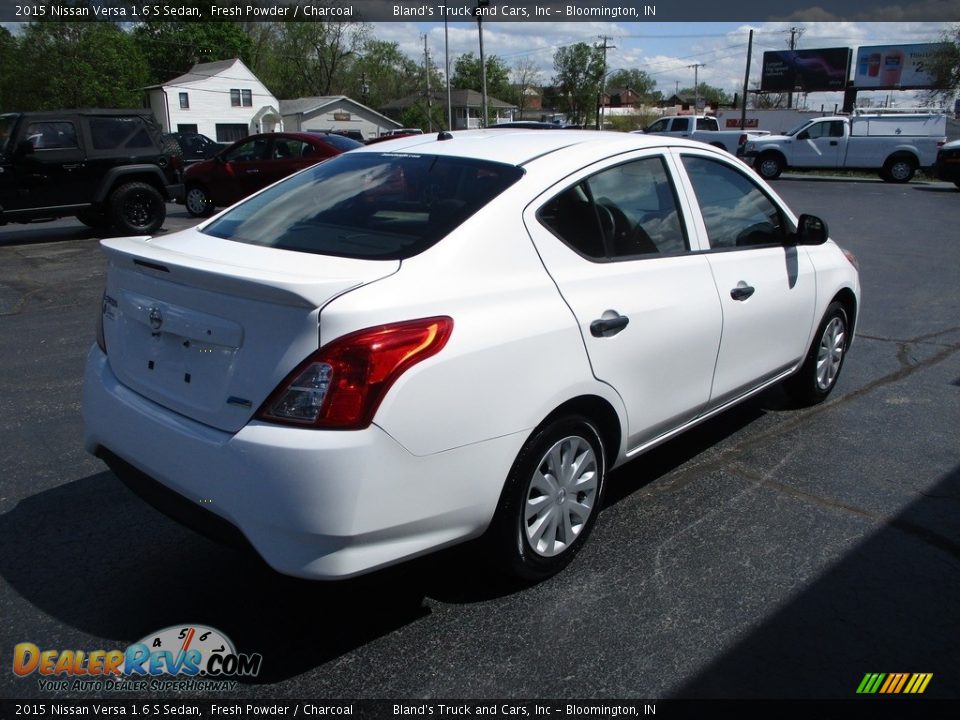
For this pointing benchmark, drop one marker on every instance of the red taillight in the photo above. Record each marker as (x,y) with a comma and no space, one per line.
(341,385)
(742,140)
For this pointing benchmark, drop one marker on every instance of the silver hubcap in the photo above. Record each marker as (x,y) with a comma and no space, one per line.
(561,496)
(830,354)
(769,168)
(900,170)
(197,200)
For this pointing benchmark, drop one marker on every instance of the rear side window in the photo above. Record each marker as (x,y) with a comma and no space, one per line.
(378,206)
(52,135)
(626,211)
(117,133)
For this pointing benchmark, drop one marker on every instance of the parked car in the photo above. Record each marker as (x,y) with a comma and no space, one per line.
(704,128)
(195,146)
(395,351)
(255,162)
(107,168)
(948,162)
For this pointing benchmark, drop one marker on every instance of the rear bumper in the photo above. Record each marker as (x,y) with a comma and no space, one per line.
(313,504)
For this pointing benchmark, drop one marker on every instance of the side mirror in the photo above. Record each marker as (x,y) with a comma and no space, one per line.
(803,136)
(24,147)
(811,230)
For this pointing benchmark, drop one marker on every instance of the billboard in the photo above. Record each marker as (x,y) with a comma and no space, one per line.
(805,70)
(895,67)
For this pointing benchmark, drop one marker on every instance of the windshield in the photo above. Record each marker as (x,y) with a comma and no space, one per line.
(6,129)
(378,206)
(798,128)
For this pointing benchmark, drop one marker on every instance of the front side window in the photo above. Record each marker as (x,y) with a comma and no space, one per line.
(256,149)
(376,206)
(627,211)
(6,130)
(735,211)
(681,124)
(55,135)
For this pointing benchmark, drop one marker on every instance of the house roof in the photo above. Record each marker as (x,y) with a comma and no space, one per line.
(458,98)
(308,105)
(200,71)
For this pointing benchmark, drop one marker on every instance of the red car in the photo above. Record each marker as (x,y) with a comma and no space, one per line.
(255,162)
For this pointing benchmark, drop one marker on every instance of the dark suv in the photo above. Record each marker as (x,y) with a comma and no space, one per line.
(108,168)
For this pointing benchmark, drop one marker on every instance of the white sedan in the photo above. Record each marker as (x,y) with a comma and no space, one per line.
(450,336)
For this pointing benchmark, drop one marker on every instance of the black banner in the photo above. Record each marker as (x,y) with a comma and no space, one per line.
(618,11)
(805,70)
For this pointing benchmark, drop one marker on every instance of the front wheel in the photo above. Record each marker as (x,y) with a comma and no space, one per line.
(821,367)
(551,499)
(769,166)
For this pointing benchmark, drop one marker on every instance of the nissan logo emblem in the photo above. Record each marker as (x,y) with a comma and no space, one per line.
(156,319)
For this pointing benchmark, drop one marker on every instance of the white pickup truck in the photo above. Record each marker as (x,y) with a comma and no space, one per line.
(704,128)
(896,145)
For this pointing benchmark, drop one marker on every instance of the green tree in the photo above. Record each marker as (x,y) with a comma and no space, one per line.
(946,64)
(466,75)
(637,80)
(311,58)
(526,78)
(172,48)
(382,72)
(79,64)
(712,95)
(578,69)
(8,54)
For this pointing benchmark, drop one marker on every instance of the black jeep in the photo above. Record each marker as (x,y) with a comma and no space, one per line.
(108,168)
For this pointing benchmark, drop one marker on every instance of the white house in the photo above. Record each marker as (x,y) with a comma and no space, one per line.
(336,112)
(222,100)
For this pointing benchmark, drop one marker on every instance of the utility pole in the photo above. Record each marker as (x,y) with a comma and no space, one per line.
(794,31)
(746,84)
(446,59)
(482,5)
(426,66)
(603,79)
(696,86)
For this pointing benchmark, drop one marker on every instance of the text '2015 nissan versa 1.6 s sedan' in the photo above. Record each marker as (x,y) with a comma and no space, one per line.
(452,336)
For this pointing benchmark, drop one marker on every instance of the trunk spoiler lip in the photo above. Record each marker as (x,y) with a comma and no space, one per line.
(293,288)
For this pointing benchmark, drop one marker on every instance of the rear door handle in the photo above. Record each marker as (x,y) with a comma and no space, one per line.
(252,172)
(742,291)
(609,325)
(72,166)
(833,142)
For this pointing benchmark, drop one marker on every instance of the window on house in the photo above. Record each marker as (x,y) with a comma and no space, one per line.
(247,98)
(235,98)
(184,101)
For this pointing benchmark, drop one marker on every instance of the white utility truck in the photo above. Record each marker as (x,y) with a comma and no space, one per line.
(896,144)
(704,128)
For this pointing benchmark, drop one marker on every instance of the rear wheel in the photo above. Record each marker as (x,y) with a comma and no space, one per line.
(821,367)
(899,169)
(551,499)
(769,166)
(137,208)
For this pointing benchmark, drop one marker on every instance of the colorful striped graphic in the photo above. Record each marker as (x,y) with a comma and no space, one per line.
(894,683)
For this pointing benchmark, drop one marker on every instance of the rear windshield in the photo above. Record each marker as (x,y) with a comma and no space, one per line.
(341,142)
(370,205)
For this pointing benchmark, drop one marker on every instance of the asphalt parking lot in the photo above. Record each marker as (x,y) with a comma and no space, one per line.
(768,553)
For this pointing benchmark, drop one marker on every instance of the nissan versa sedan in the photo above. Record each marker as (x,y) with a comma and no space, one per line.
(453,336)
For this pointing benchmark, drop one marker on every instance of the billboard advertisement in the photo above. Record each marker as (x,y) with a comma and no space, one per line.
(805,70)
(895,67)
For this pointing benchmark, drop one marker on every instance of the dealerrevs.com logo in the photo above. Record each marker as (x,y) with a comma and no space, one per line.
(180,657)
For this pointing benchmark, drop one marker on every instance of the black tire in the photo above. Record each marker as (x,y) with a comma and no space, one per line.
(818,375)
(899,169)
(93,219)
(197,201)
(137,209)
(523,546)
(769,166)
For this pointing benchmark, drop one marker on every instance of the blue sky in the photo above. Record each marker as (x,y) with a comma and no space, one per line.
(665,50)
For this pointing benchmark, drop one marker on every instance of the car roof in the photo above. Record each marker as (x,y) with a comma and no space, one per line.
(520,146)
